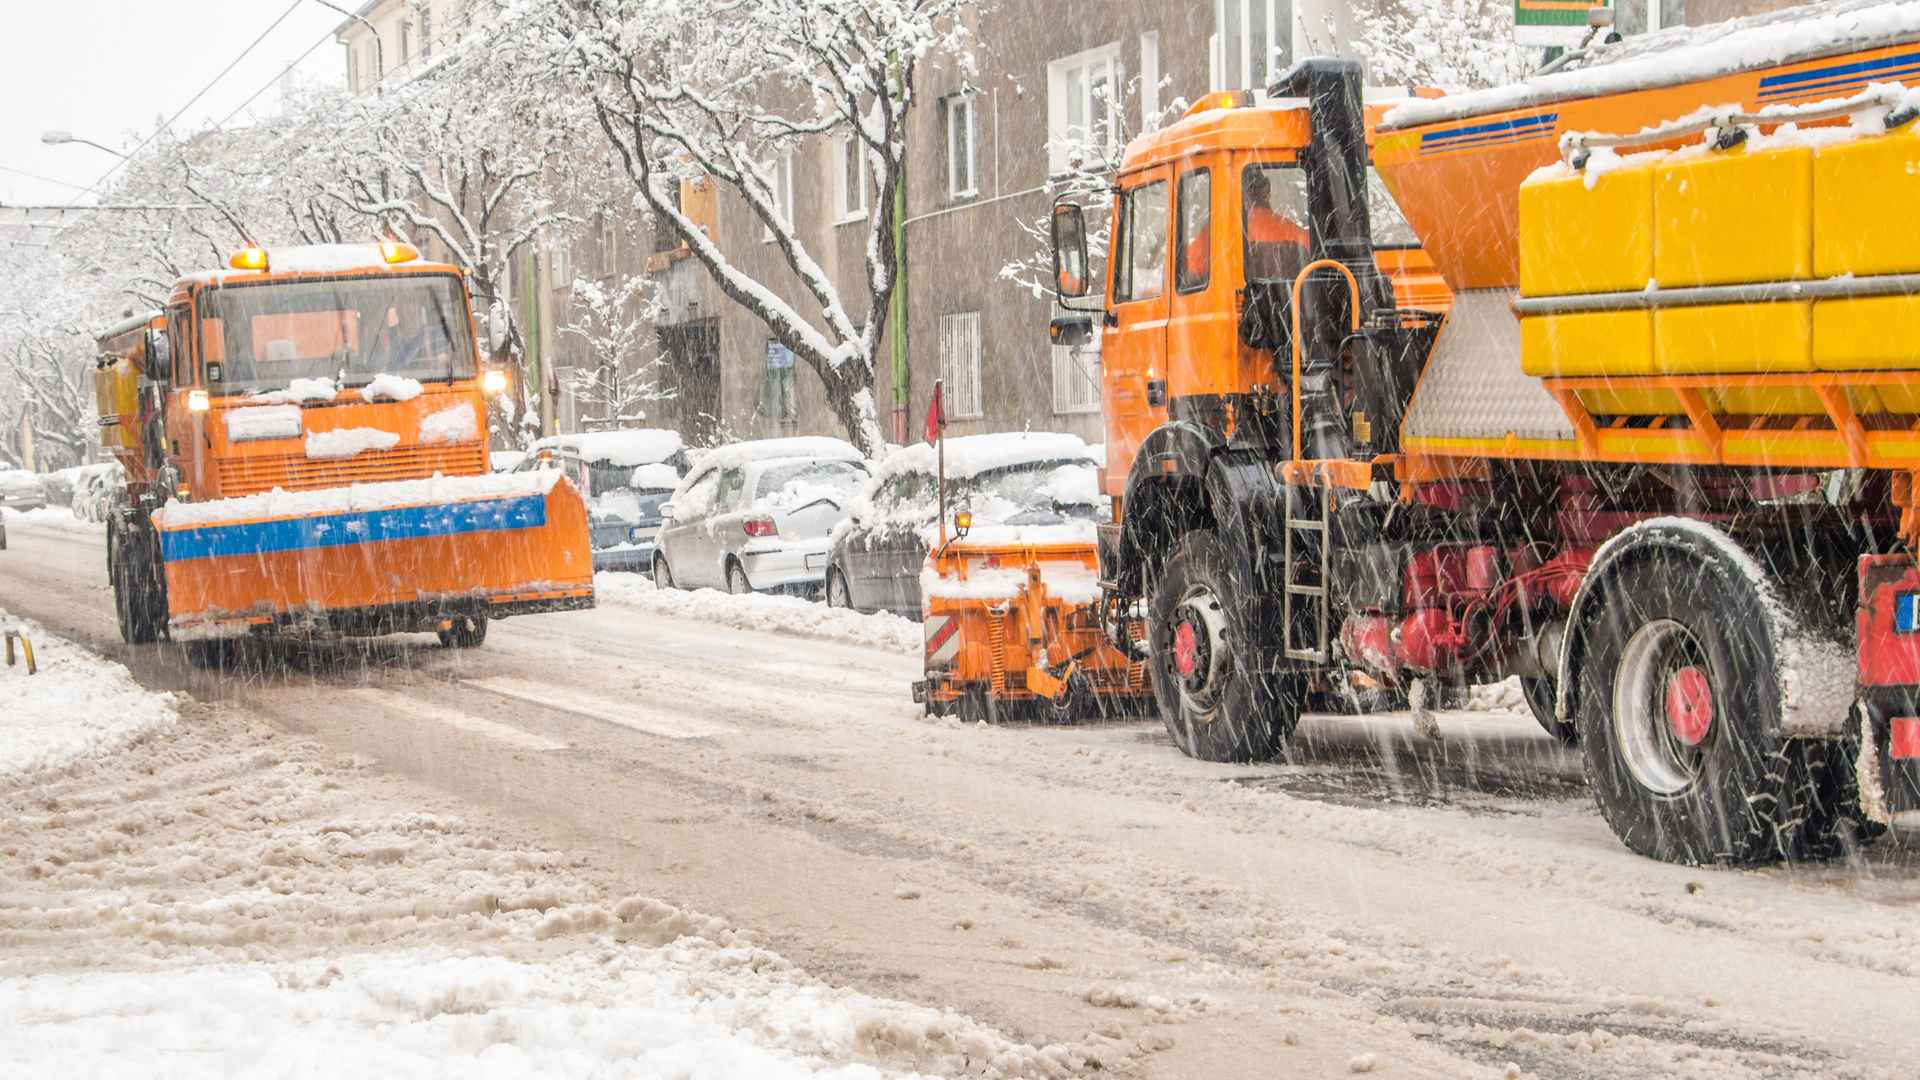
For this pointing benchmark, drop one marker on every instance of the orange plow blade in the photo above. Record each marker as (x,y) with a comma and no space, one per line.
(378,558)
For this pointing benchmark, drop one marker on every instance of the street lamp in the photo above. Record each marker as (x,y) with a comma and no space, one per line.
(61,138)
(379,47)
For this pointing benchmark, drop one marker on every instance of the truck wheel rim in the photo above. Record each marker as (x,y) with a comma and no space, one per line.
(1662,707)
(1199,650)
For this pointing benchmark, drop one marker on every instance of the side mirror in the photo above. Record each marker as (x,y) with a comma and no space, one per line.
(1072,331)
(159,357)
(666,511)
(1069,251)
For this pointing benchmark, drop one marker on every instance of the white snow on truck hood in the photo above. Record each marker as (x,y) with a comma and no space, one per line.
(380,496)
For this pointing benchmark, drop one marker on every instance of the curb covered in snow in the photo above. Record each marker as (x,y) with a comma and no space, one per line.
(79,704)
(789,615)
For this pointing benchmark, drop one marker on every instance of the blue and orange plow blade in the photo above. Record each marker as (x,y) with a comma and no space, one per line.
(396,566)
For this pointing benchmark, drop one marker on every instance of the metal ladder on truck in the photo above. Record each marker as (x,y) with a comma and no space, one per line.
(1297,588)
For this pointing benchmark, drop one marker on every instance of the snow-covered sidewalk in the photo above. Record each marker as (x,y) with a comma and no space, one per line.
(223,899)
(790,615)
(53,519)
(78,704)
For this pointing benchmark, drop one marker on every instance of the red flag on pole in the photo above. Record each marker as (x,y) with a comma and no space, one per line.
(936,412)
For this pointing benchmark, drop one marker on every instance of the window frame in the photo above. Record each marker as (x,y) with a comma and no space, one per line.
(958,105)
(853,152)
(1066,358)
(1060,134)
(781,166)
(1234,73)
(962,403)
(1122,249)
(1180,286)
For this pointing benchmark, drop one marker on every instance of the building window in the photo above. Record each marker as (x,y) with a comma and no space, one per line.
(353,70)
(1076,377)
(560,262)
(1083,110)
(378,60)
(609,245)
(780,181)
(777,400)
(853,179)
(960,364)
(1253,43)
(961,181)
(406,42)
(1647,16)
(426,30)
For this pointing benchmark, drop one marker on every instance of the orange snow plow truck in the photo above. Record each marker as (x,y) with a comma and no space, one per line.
(1659,460)
(304,439)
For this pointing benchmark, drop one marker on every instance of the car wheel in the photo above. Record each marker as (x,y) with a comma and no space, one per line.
(837,595)
(662,573)
(737,582)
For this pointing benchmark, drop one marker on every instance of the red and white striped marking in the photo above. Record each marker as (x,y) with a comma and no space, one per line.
(943,640)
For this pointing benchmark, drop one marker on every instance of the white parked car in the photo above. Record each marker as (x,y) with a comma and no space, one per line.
(94,488)
(20,489)
(758,516)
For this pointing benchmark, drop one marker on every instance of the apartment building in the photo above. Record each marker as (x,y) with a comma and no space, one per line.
(386,42)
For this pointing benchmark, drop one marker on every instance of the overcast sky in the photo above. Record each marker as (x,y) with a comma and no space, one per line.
(110,70)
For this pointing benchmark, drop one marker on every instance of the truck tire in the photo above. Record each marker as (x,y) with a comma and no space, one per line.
(1676,701)
(139,585)
(1214,707)
(1540,694)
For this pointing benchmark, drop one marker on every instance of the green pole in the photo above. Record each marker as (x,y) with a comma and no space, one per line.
(898,311)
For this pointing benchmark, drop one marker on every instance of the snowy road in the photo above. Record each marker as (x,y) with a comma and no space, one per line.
(1383,902)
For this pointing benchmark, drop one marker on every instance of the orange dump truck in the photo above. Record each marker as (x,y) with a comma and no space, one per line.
(1659,459)
(305,442)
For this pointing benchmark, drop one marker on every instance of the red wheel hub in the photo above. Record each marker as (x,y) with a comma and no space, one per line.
(1186,650)
(1689,705)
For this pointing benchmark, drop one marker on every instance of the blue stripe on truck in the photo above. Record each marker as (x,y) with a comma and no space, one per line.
(361,527)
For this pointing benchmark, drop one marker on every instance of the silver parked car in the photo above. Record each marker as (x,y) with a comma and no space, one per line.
(625,475)
(758,516)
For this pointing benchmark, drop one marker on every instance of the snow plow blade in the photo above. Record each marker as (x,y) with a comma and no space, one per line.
(378,558)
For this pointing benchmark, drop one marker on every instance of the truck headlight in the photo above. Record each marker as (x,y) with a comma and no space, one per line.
(494,381)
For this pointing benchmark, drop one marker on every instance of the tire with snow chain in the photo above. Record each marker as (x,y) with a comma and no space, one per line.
(1540,695)
(1677,696)
(1214,707)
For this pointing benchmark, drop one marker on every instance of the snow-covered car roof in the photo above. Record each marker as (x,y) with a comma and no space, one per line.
(970,455)
(817,447)
(1687,54)
(628,447)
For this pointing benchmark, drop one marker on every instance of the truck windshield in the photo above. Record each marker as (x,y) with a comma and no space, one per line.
(261,337)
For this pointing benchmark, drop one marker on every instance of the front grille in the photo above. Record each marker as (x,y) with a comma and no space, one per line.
(291,472)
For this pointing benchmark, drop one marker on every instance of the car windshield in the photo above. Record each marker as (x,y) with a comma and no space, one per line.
(1036,493)
(798,483)
(261,337)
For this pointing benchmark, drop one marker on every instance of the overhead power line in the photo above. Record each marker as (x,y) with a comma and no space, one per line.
(191,102)
(43,179)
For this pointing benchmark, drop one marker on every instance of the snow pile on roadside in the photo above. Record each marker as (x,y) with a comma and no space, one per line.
(378,496)
(79,704)
(788,615)
(53,519)
(688,1010)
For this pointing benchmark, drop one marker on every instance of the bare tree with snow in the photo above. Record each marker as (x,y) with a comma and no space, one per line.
(623,372)
(724,90)
(1453,44)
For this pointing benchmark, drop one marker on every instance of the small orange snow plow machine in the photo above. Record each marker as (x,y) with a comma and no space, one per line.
(304,438)
(1011,601)
(1013,629)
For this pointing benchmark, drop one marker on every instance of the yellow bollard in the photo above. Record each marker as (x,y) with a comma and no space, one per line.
(26,648)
